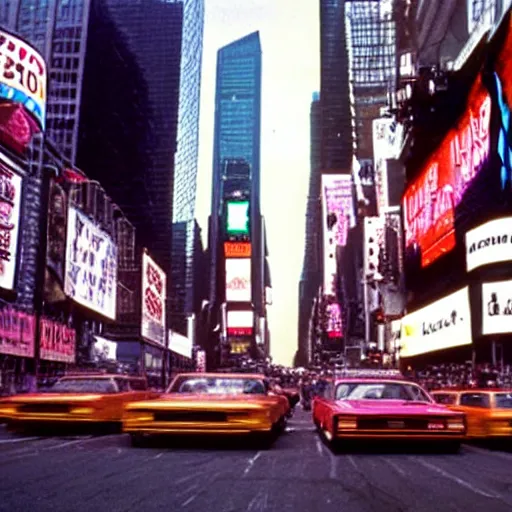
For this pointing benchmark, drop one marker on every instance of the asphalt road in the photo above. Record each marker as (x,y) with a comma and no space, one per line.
(299,474)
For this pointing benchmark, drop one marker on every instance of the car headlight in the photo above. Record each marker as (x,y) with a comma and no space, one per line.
(456,424)
(346,423)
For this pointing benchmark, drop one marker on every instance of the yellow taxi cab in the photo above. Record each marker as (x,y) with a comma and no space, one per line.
(76,399)
(488,411)
(210,404)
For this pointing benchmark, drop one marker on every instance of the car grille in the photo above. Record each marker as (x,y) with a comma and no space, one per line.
(391,423)
(44,408)
(191,416)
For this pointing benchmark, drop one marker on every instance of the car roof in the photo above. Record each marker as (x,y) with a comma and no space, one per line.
(100,376)
(224,375)
(373,380)
(473,390)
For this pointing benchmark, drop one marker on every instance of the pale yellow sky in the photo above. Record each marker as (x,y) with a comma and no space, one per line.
(289,32)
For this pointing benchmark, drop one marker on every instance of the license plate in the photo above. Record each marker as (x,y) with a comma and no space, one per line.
(435,426)
(396,424)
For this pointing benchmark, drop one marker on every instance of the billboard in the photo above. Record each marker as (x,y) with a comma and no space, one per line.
(240,323)
(497,307)
(237,249)
(238,280)
(154,293)
(338,217)
(17,333)
(430,200)
(24,77)
(237,221)
(386,145)
(373,245)
(333,320)
(91,265)
(58,341)
(489,243)
(10,209)
(443,324)
(180,344)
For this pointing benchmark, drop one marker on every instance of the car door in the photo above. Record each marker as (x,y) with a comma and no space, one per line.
(476,406)
(321,406)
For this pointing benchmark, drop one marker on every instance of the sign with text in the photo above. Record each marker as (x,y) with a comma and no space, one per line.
(58,341)
(237,249)
(238,280)
(443,324)
(154,293)
(17,333)
(91,265)
(430,200)
(489,243)
(497,307)
(180,344)
(10,209)
(23,77)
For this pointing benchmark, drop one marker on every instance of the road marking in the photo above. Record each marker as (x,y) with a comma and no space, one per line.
(158,456)
(18,440)
(483,451)
(319,446)
(395,466)
(250,463)
(68,443)
(456,479)
(334,466)
(189,501)
(353,462)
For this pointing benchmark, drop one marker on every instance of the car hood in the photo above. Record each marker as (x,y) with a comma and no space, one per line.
(51,398)
(192,401)
(399,407)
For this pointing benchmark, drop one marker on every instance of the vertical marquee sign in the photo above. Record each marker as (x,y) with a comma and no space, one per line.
(154,293)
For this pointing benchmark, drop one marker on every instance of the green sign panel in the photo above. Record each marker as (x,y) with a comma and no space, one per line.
(238,217)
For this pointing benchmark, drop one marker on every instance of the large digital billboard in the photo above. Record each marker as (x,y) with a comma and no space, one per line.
(237,221)
(23,77)
(91,265)
(238,280)
(240,323)
(10,209)
(154,293)
(430,201)
(443,324)
(338,217)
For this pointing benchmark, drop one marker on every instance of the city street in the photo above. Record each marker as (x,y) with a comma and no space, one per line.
(298,474)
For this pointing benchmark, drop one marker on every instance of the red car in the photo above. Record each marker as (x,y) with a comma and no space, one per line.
(384,406)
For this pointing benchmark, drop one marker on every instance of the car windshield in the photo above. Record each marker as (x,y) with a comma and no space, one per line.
(102,386)
(380,391)
(445,398)
(218,386)
(504,400)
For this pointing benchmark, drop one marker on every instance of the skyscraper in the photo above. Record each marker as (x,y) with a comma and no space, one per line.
(312,265)
(236,155)
(185,229)
(337,138)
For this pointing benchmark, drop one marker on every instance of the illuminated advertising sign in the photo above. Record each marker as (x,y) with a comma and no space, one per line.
(240,323)
(373,245)
(238,280)
(200,361)
(386,142)
(180,344)
(333,321)
(58,341)
(497,307)
(429,202)
(237,249)
(239,346)
(91,265)
(23,77)
(338,217)
(154,293)
(489,243)
(443,324)
(17,333)
(237,217)
(10,204)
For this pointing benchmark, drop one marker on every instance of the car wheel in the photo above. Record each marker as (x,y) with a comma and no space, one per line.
(137,440)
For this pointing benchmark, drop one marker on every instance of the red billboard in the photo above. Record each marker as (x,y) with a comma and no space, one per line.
(430,200)
(58,341)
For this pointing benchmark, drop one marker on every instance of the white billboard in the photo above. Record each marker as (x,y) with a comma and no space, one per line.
(10,204)
(489,243)
(154,293)
(242,319)
(497,307)
(443,324)
(91,265)
(180,344)
(386,146)
(338,217)
(238,280)
(373,244)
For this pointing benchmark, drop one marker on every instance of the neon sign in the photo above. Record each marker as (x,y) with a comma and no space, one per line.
(429,202)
